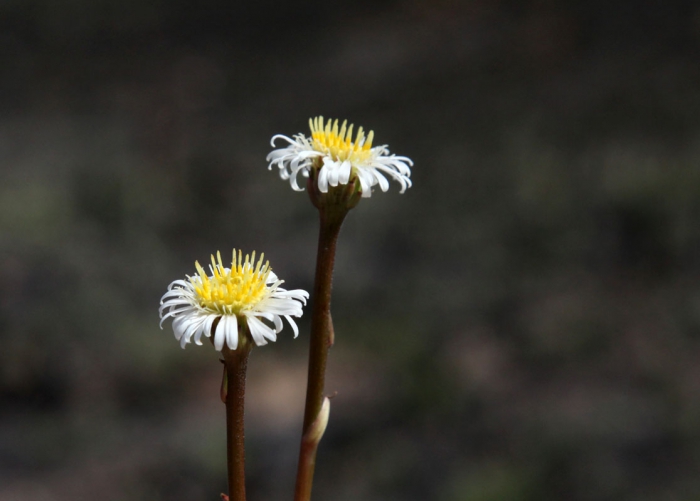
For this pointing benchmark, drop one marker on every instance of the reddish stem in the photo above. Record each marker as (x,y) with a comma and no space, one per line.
(320,342)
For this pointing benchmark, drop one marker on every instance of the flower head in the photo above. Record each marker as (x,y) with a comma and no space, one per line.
(217,303)
(338,159)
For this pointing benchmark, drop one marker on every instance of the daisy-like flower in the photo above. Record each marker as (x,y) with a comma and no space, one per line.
(216,303)
(338,160)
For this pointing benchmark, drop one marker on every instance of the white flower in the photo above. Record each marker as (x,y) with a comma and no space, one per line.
(214,304)
(338,159)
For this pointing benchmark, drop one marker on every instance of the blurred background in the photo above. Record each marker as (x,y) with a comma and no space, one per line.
(523,324)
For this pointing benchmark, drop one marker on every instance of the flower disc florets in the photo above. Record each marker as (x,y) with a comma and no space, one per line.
(219,302)
(337,159)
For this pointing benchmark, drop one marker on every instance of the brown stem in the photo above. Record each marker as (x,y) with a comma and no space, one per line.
(305,470)
(236,362)
(320,342)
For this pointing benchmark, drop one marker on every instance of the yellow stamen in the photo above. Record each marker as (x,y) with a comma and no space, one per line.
(229,291)
(337,143)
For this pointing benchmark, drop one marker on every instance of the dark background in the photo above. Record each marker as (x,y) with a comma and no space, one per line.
(521,325)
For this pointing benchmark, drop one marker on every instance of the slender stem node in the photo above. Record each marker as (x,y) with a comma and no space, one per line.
(307,454)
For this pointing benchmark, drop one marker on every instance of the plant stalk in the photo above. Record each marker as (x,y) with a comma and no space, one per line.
(320,342)
(236,363)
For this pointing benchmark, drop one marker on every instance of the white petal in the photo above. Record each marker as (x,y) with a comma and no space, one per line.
(180,325)
(278,323)
(206,328)
(172,303)
(333,171)
(280,136)
(219,336)
(279,306)
(344,172)
(323,178)
(293,324)
(174,313)
(297,294)
(258,330)
(365,182)
(383,183)
(175,292)
(231,331)
(195,324)
(293,180)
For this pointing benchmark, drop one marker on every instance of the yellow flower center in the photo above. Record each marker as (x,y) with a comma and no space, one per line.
(338,142)
(229,291)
